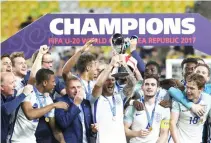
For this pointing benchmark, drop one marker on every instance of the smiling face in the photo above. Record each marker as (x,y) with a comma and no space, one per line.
(194,86)
(149,87)
(6,65)
(19,66)
(108,86)
(47,61)
(49,84)
(7,84)
(204,71)
(188,69)
(192,90)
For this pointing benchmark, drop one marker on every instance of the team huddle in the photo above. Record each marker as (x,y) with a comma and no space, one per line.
(100,104)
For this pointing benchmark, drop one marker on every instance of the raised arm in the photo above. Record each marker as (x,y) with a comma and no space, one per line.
(11,106)
(97,90)
(73,60)
(134,53)
(131,80)
(37,63)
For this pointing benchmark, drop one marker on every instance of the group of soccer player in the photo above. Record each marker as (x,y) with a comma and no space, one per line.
(99,104)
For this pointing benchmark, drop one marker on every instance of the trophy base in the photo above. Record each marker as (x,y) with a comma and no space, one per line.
(120,74)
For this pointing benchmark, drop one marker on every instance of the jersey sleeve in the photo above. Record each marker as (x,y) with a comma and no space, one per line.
(166,119)
(167,114)
(175,106)
(93,99)
(28,98)
(128,117)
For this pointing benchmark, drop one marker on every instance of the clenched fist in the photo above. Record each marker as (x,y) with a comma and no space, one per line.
(43,49)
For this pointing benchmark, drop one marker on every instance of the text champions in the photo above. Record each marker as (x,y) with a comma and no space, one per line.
(105,26)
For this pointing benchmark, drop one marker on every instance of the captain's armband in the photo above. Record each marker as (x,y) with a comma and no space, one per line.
(164,124)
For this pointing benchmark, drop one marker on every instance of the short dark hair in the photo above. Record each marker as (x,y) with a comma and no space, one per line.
(155,64)
(83,61)
(167,83)
(152,76)
(188,60)
(198,79)
(42,75)
(5,56)
(204,65)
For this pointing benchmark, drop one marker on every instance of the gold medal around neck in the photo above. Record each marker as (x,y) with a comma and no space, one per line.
(47,119)
(150,129)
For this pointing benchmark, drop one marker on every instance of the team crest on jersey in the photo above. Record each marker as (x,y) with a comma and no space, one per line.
(158,117)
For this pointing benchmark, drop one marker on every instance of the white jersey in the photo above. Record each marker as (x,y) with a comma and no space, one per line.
(190,126)
(18,83)
(163,94)
(110,129)
(21,82)
(24,129)
(139,121)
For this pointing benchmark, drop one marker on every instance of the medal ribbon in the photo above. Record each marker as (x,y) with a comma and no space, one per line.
(37,96)
(113,109)
(150,120)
